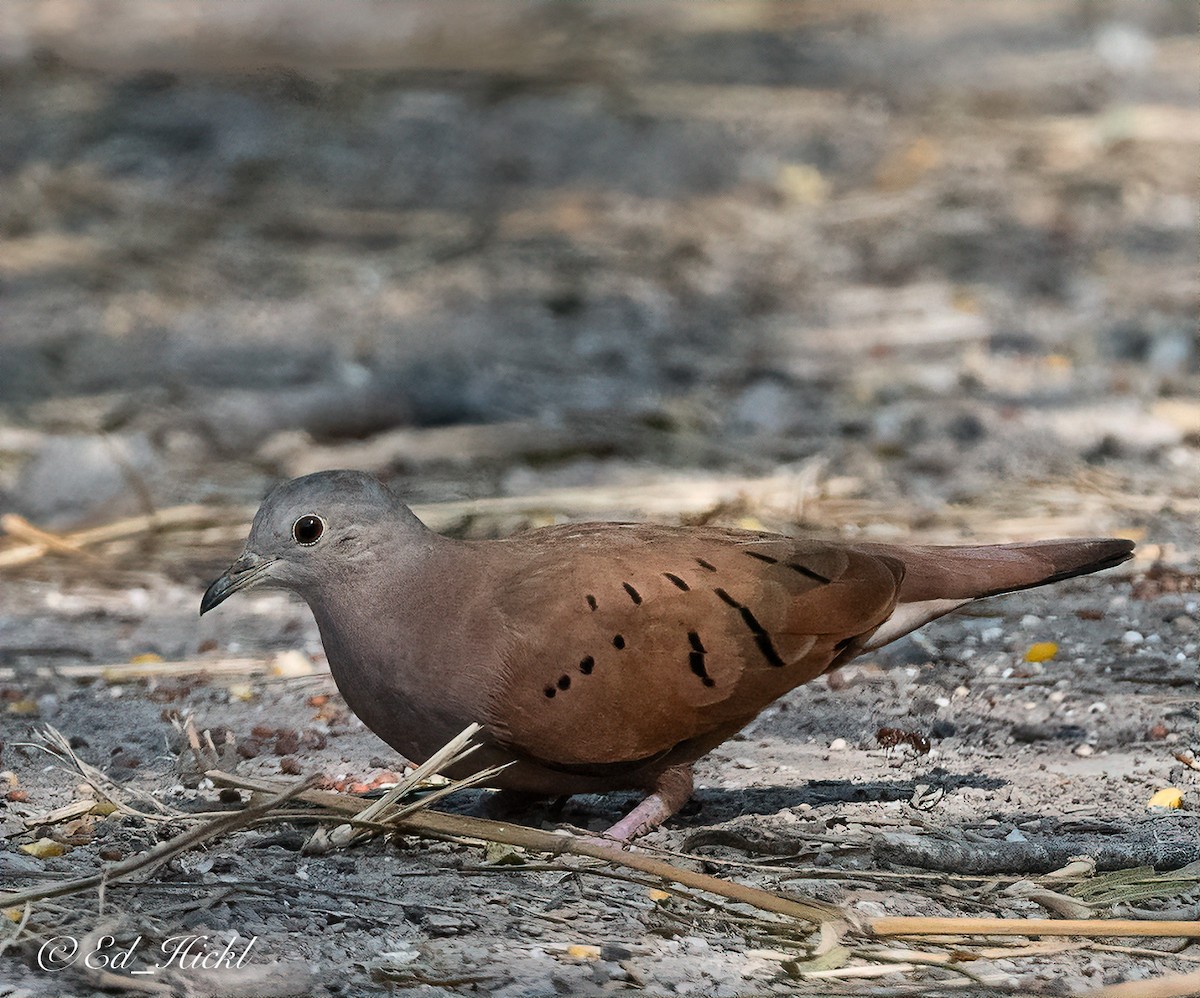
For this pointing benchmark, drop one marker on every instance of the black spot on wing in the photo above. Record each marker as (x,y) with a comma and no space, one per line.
(761,557)
(808,573)
(761,638)
(726,598)
(696,659)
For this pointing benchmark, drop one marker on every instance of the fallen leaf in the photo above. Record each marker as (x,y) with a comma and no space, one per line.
(500,854)
(1167,797)
(578,951)
(836,957)
(25,707)
(44,848)
(1041,651)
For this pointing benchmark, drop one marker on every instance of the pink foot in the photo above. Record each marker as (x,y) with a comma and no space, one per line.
(671,792)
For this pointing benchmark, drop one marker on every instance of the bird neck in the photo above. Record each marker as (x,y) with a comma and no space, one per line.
(391,640)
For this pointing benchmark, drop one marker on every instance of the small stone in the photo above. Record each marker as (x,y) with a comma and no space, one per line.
(615,952)
(1132,638)
(838,745)
(1084,750)
(287,742)
(441,924)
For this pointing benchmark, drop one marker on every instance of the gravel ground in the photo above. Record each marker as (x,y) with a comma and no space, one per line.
(885,272)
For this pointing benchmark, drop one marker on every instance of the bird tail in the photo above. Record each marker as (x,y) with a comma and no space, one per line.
(940,579)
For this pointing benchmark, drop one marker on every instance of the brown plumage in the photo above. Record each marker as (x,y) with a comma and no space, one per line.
(598,656)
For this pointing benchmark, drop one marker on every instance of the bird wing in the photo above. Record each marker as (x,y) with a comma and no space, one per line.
(624,641)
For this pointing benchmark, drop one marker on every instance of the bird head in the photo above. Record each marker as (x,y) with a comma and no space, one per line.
(313,532)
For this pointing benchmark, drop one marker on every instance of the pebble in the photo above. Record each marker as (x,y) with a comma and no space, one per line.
(442,924)
(1132,638)
(838,745)
(1084,750)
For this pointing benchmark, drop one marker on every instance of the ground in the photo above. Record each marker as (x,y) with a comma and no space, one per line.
(887,273)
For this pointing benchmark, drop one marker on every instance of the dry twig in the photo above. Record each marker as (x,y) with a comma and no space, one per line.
(153,858)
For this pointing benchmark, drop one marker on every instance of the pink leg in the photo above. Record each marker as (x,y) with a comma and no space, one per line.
(671,791)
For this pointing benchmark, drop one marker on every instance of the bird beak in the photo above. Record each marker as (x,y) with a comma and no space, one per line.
(249,570)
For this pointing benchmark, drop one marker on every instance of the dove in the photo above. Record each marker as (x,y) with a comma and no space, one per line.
(598,656)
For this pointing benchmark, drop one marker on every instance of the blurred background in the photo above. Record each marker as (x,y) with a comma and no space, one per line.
(921,270)
(932,262)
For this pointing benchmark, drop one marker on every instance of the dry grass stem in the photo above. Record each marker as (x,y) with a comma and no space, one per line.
(20,528)
(125,672)
(440,825)
(155,857)
(1095,928)
(54,742)
(164,519)
(1175,986)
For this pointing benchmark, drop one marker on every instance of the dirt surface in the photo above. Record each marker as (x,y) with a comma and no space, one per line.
(917,271)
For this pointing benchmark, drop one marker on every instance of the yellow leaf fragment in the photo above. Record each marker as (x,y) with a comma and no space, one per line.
(657,896)
(25,707)
(1041,651)
(1167,797)
(241,691)
(499,854)
(103,808)
(834,959)
(578,951)
(146,658)
(14,914)
(802,184)
(44,848)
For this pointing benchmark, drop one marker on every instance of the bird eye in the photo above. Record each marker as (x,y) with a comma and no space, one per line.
(308,529)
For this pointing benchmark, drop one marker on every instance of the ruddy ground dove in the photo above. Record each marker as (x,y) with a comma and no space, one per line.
(598,656)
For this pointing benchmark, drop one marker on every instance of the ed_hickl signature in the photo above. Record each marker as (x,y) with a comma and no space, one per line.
(185,952)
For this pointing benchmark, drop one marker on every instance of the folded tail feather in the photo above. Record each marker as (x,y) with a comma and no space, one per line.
(940,579)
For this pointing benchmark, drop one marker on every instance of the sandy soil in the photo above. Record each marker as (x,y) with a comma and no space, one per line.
(863,275)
